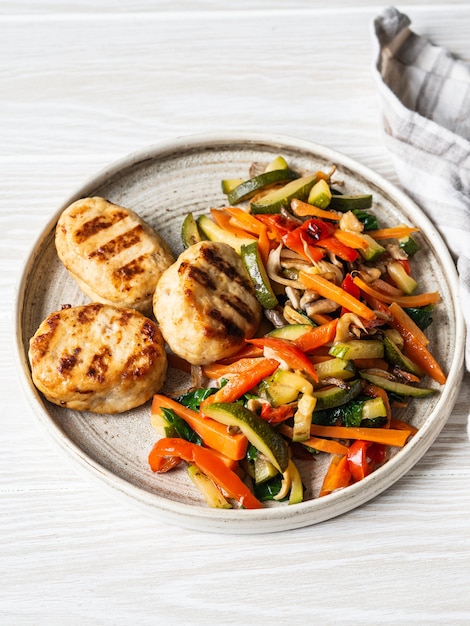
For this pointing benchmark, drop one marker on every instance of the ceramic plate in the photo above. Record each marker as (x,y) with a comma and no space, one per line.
(163,184)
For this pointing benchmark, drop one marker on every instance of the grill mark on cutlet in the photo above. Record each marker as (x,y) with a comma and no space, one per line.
(221,265)
(139,364)
(200,276)
(228,328)
(238,305)
(117,245)
(97,224)
(88,313)
(99,365)
(125,273)
(40,344)
(68,362)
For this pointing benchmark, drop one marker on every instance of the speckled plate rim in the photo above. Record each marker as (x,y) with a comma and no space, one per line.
(268,519)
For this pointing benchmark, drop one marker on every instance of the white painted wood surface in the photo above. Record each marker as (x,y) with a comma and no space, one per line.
(83,83)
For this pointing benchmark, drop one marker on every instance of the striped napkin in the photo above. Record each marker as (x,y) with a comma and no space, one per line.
(425,95)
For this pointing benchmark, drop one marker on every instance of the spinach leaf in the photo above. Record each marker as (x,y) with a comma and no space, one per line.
(369,220)
(193,399)
(182,429)
(421,316)
(269,489)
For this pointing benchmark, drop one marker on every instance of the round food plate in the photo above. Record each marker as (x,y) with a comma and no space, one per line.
(162,184)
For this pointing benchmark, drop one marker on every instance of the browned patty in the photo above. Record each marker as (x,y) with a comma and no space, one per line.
(114,255)
(98,358)
(205,303)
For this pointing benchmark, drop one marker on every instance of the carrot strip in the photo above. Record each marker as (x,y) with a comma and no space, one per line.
(337,476)
(316,336)
(230,463)
(251,224)
(303,209)
(375,304)
(242,382)
(214,434)
(422,299)
(217,370)
(329,290)
(248,351)
(326,445)
(387,436)
(400,425)
(384,287)
(392,233)
(321,318)
(322,445)
(403,322)
(413,346)
(353,240)
(223,220)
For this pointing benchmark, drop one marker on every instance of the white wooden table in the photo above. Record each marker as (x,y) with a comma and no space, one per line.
(83,83)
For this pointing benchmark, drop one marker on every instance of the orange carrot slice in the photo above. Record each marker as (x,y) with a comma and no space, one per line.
(303,209)
(316,336)
(422,299)
(352,240)
(387,436)
(214,434)
(392,233)
(329,290)
(242,382)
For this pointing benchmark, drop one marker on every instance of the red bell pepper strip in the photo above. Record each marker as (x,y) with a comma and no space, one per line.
(297,242)
(289,353)
(359,465)
(338,248)
(276,414)
(162,464)
(210,465)
(337,476)
(277,225)
(351,288)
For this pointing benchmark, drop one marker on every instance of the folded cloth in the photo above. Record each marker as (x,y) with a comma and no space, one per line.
(425,94)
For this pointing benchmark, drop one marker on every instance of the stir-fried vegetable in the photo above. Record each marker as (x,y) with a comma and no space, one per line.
(346,346)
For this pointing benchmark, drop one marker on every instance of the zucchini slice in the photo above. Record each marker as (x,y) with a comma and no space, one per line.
(249,187)
(276,199)
(257,272)
(320,194)
(258,432)
(290,331)
(189,231)
(336,396)
(358,349)
(349,203)
(399,388)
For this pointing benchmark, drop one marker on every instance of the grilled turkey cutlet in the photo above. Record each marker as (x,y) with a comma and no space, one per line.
(205,303)
(114,255)
(98,358)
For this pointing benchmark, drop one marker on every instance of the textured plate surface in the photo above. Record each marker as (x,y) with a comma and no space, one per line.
(162,184)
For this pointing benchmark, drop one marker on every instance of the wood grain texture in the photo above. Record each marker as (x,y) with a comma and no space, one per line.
(84,83)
